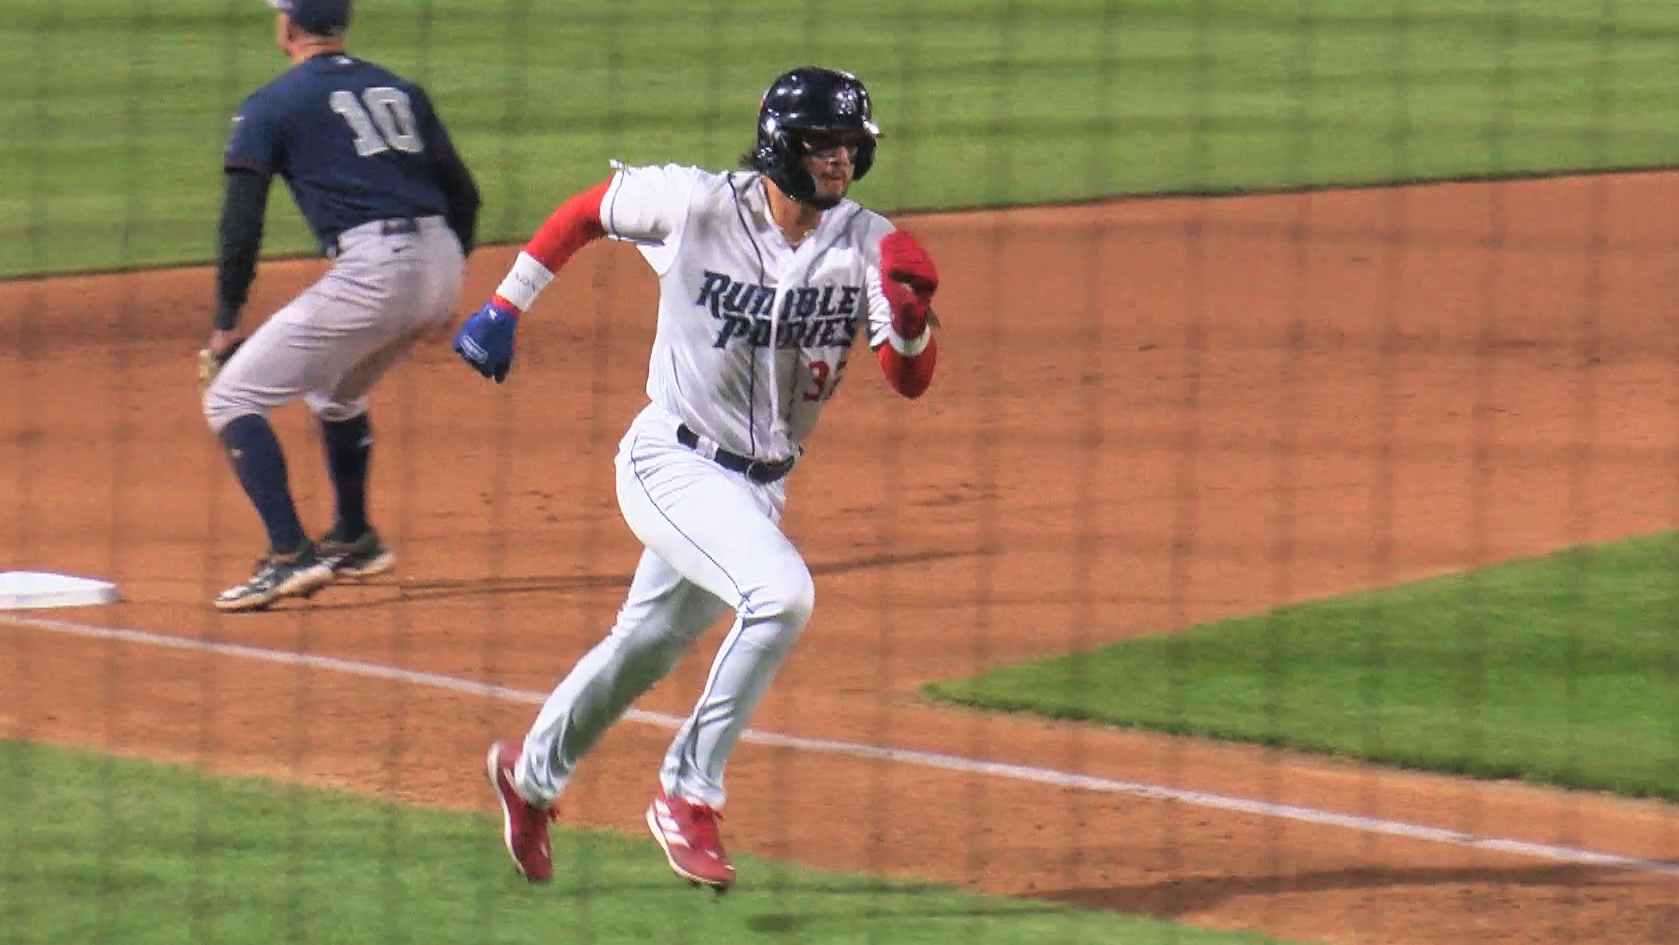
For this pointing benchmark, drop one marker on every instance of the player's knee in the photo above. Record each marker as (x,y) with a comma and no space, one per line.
(791,597)
(328,410)
(223,405)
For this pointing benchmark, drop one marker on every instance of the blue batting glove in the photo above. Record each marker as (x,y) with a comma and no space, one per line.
(485,341)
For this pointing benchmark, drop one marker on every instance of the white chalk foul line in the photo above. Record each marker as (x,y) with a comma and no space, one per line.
(923,759)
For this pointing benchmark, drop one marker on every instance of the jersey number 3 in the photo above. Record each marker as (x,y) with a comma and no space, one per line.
(385,122)
(819,373)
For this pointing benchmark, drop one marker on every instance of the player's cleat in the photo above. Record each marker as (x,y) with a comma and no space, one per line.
(299,574)
(364,557)
(688,833)
(524,825)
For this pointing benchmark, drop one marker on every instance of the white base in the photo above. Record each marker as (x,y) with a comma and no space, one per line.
(29,590)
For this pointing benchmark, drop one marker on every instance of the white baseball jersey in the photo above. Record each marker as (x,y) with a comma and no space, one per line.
(753,334)
(753,337)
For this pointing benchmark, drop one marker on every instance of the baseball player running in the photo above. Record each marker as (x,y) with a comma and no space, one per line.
(374,174)
(766,278)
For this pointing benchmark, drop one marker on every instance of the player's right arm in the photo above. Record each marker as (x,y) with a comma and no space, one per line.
(248,164)
(644,205)
(573,225)
(647,205)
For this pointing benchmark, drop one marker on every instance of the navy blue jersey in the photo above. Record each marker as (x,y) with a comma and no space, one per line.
(354,142)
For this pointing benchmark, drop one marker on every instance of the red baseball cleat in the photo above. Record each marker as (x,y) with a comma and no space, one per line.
(524,825)
(689,835)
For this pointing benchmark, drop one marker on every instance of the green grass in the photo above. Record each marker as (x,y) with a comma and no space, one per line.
(100,850)
(1562,670)
(112,126)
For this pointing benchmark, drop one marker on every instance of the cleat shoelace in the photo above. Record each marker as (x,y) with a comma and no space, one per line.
(261,571)
(704,821)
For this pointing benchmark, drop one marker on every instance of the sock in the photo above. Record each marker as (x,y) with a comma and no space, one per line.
(349,445)
(261,468)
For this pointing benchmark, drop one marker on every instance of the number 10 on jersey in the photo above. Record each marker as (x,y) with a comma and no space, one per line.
(382,119)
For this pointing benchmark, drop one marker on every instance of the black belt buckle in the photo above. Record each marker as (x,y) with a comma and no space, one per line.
(757,470)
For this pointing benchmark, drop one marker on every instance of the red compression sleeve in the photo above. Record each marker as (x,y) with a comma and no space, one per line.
(909,376)
(568,229)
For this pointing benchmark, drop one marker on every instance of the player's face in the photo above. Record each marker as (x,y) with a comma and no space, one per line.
(831,158)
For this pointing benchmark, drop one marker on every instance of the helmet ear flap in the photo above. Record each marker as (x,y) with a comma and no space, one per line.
(778,156)
(865,158)
(763,149)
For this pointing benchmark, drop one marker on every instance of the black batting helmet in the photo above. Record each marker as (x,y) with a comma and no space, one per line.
(809,98)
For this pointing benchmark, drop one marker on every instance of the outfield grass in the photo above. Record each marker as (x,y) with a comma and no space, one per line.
(100,850)
(115,113)
(1562,670)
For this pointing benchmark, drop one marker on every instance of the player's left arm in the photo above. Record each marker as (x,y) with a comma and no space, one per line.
(903,286)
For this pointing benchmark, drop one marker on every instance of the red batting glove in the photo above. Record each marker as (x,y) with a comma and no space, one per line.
(908,280)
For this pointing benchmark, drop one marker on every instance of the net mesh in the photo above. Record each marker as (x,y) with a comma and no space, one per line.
(1282,546)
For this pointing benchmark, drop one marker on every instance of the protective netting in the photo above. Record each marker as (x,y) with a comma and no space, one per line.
(1337,331)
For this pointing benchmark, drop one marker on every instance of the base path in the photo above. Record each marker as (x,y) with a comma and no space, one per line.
(1147,415)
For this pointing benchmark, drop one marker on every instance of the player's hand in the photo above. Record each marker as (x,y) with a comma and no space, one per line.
(485,341)
(908,279)
(214,356)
